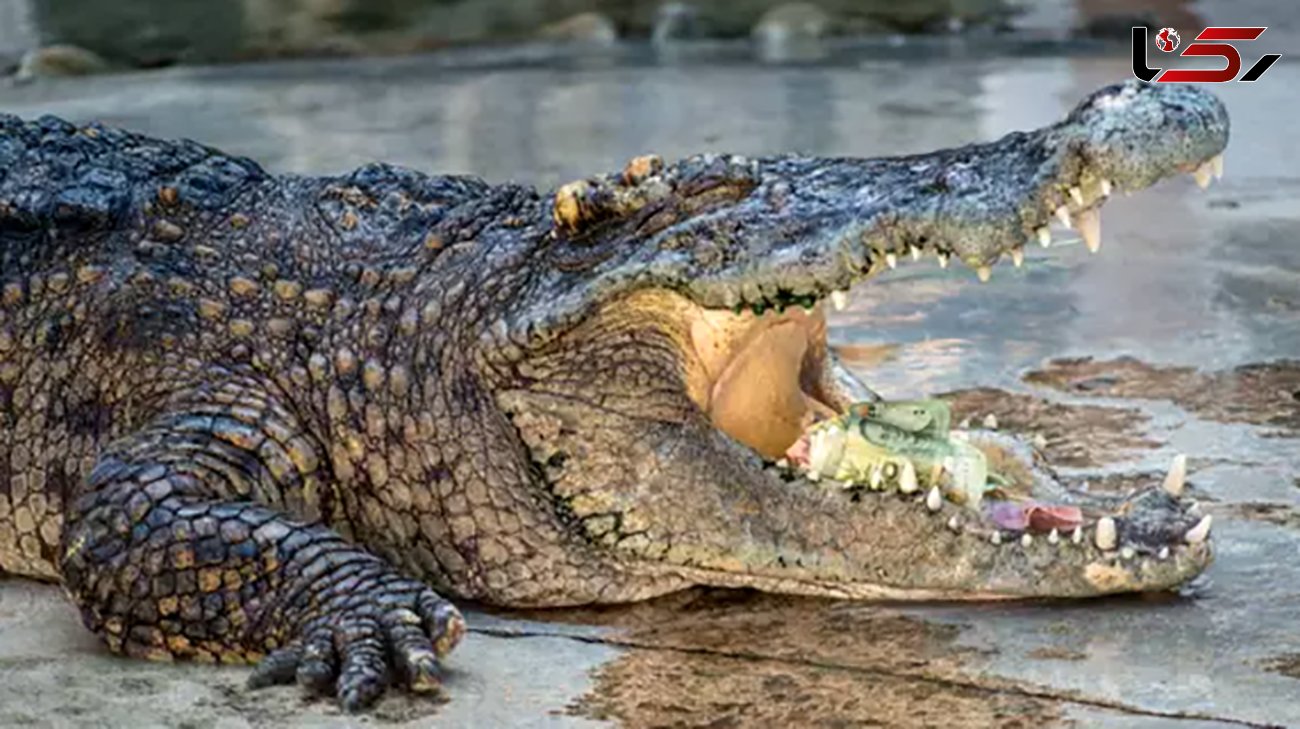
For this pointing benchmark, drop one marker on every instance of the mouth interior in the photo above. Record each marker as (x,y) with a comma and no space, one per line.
(762,374)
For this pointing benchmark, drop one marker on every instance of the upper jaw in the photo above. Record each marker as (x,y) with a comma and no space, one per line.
(822,225)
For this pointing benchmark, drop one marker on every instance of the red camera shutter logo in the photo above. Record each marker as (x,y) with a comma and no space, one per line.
(1210,42)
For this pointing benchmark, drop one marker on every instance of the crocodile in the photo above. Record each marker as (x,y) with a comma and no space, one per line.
(285,420)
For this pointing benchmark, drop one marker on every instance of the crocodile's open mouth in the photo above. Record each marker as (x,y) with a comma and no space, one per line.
(714,275)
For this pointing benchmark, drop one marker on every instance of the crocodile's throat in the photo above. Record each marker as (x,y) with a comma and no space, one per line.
(761,373)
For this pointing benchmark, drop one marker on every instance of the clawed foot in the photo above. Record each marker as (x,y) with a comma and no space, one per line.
(360,644)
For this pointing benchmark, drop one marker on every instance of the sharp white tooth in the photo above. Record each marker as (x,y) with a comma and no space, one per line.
(1176,479)
(839,299)
(1027,540)
(1216,166)
(1044,235)
(907,478)
(1090,229)
(1077,535)
(1106,187)
(984,273)
(1063,215)
(1040,441)
(996,537)
(812,475)
(783,463)
(875,478)
(892,260)
(1077,196)
(1198,533)
(1203,175)
(1107,535)
(934,499)
(916,252)
(954,523)
(1018,257)
(1053,537)
(991,421)
(1163,554)
(1127,552)
(943,259)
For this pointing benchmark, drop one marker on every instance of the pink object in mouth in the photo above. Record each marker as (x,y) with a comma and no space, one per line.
(1034,517)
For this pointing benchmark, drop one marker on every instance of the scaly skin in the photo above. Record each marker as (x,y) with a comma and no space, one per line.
(244,415)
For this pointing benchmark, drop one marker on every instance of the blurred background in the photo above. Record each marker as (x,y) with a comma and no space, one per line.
(84,35)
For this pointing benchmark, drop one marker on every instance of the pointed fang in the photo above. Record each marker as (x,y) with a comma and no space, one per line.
(1077,196)
(1018,257)
(1203,175)
(840,300)
(916,252)
(943,259)
(1106,187)
(996,537)
(1107,535)
(1027,540)
(991,422)
(1163,554)
(907,478)
(1044,236)
(892,260)
(1077,535)
(954,523)
(1054,537)
(1090,229)
(1063,215)
(985,273)
(934,499)
(1216,166)
(1200,532)
(1176,479)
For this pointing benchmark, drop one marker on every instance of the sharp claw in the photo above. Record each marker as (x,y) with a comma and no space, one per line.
(1176,480)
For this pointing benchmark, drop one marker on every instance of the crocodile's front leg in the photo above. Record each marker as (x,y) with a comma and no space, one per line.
(174,551)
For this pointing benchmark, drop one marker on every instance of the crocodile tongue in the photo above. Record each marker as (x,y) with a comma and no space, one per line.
(758,367)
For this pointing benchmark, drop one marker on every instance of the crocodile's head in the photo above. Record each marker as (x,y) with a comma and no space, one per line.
(673,346)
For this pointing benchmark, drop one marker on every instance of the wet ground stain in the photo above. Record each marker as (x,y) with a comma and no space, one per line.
(718,658)
(1265,394)
(1287,665)
(669,689)
(1078,436)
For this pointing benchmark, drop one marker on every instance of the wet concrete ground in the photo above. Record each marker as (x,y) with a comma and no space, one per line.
(1206,280)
